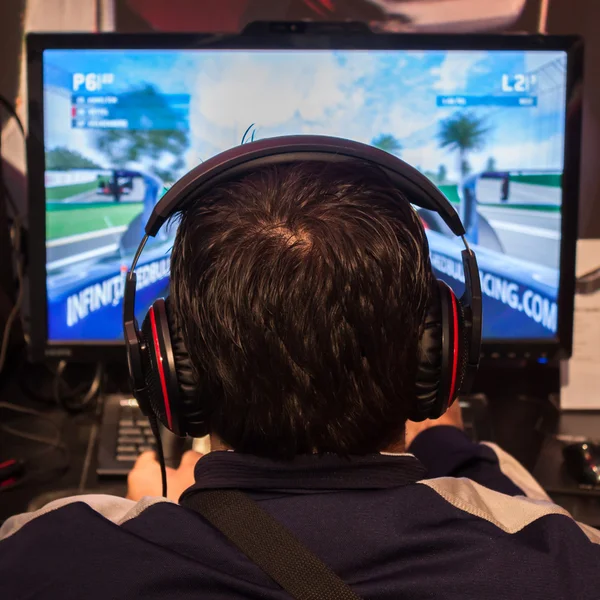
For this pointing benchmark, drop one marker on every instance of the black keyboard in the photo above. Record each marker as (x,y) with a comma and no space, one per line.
(124,434)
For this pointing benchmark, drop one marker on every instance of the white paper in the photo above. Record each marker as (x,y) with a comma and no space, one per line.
(580,376)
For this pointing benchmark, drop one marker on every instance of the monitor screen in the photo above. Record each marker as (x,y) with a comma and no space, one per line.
(120,126)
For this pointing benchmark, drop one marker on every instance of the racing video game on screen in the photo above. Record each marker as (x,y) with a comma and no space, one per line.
(487,127)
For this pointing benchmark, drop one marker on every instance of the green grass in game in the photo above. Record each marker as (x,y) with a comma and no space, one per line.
(60,192)
(543,179)
(64,219)
(450,191)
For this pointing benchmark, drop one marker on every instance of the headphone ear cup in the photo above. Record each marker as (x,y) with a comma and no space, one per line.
(454,359)
(193,410)
(429,365)
(463,357)
(154,394)
(442,355)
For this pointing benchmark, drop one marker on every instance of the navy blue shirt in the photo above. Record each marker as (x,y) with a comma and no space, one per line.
(452,520)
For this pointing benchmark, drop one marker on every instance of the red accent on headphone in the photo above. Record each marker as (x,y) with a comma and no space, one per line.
(455,349)
(161,371)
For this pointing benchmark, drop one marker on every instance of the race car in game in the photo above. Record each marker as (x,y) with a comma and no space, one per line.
(118,183)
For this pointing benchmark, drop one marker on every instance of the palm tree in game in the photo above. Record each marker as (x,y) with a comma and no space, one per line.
(462,132)
(387,142)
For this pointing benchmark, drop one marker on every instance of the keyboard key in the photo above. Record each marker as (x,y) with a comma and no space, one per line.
(148,431)
(124,448)
(126,457)
(145,448)
(141,422)
(131,439)
(125,413)
(125,422)
(129,402)
(130,431)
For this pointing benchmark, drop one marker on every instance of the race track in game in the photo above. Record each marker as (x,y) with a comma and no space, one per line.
(530,233)
(88,226)
(527,218)
(520,193)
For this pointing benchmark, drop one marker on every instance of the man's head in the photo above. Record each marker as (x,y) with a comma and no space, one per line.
(301,291)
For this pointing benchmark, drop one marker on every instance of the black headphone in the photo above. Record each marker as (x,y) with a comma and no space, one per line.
(160,368)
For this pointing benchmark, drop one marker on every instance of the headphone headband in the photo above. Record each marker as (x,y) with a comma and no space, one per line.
(285,149)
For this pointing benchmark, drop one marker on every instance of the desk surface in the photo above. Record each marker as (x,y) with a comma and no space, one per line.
(520,427)
(78,432)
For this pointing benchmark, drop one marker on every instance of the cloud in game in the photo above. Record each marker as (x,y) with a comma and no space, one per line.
(429,157)
(409,121)
(546,154)
(245,89)
(279,96)
(416,54)
(453,73)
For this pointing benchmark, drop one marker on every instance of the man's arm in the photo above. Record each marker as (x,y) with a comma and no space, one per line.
(446,451)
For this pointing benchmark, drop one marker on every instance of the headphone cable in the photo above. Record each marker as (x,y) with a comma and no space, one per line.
(159,450)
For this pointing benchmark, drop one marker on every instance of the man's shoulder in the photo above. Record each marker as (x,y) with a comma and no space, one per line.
(510,514)
(113,508)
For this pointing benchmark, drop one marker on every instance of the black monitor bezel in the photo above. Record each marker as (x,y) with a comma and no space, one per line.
(41,348)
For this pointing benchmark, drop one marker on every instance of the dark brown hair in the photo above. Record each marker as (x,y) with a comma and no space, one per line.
(301,291)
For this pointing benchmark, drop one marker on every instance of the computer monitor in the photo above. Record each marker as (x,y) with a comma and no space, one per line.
(116,119)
